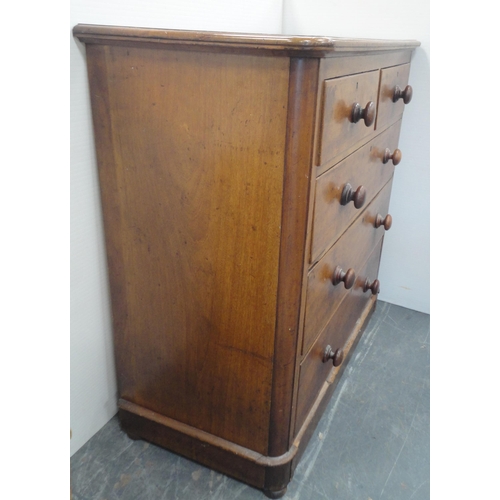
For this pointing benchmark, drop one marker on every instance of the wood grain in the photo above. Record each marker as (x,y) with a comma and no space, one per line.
(226,460)
(338,132)
(291,45)
(363,167)
(313,371)
(389,111)
(297,181)
(304,433)
(335,67)
(323,298)
(192,196)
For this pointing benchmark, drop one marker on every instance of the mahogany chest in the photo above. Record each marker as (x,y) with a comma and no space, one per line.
(245,184)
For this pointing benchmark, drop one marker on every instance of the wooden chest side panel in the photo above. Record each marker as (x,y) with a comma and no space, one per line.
(191,160)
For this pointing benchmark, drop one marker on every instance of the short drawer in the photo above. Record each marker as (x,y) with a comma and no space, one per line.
(393,84)
(313,371)
(339,130)
(350,252)
(364,168)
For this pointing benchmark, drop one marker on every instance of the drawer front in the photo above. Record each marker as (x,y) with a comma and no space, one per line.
(350,252)
(388,110)
(313,372)
(364,168)
(338,132)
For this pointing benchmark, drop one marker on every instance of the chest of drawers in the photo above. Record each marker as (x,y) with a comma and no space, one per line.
(245,184)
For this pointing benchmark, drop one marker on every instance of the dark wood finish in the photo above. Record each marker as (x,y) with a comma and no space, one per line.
(207,146)
(323,297)
(335,67)
(357,196)
(364,166)
(275,494)
(298,166)
(306,431)
(385,221)
(388,110)
(339,276)
(339,95)
(396,156)
(229,458)
(313,372)
(313,46)
(405,94)
(336,356)
(374,286)
(188,252)
(367,114)
(164,432)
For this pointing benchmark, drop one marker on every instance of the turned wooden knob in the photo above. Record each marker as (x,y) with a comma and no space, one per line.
(386,221)
(368,114)
(374,286)
(395,157)
(405,94)
(348,195)
(339,275)
(336,356)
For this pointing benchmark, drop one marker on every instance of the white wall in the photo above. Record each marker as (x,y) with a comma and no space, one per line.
(405,266)
(93,387)
(405,263)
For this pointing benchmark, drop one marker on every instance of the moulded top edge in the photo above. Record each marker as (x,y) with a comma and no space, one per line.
(100,34)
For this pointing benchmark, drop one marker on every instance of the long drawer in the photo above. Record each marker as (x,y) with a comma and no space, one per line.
(313,371)
(366,169)
(350,252)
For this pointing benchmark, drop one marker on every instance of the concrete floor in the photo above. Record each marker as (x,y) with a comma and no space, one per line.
(372,442)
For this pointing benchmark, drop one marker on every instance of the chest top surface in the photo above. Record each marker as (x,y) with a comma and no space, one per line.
(313,46)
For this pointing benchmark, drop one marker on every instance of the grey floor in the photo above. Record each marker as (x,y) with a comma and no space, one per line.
(372,442)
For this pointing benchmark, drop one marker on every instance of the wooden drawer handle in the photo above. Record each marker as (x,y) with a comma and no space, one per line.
(348,195)
(386,221)
(374,286)
(339,275)
(368,114)
(336,356)
(405,94)
(395,157)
